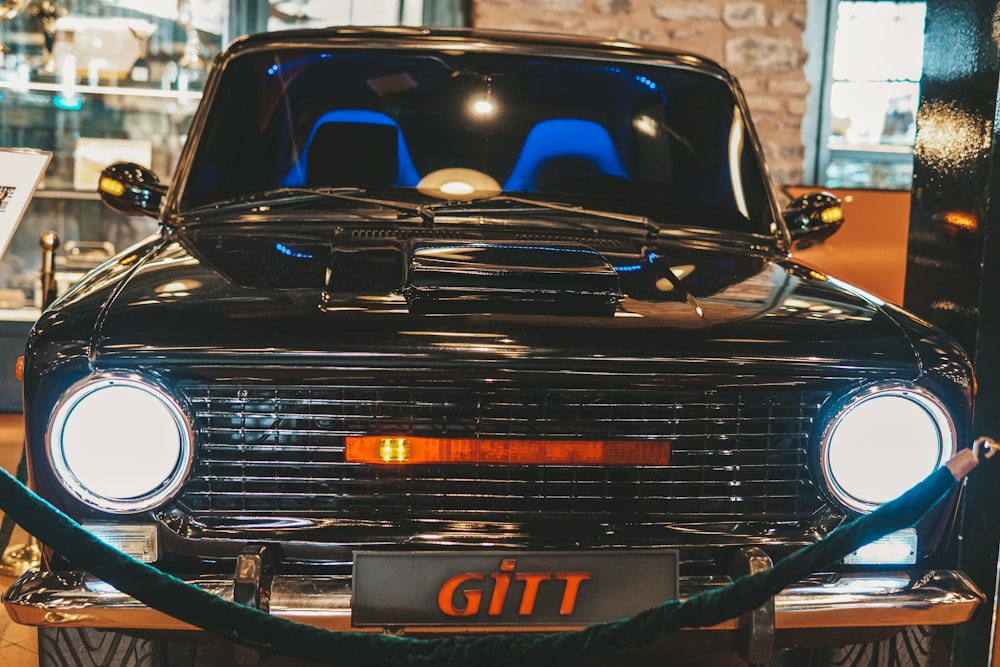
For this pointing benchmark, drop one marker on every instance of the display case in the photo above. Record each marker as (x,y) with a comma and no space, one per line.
(96,81)
(92,83)
(109,125)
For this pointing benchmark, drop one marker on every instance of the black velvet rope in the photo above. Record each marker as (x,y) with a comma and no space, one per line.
(259,630)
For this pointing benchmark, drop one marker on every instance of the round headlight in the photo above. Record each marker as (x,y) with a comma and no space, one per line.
(119,443)
(882,442)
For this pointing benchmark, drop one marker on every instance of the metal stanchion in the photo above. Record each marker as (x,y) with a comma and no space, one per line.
(49,242)
(19,558)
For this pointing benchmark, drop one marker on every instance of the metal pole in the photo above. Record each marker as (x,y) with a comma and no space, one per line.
(49,242)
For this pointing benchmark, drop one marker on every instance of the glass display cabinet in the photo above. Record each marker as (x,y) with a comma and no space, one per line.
(92,83)
(97,81)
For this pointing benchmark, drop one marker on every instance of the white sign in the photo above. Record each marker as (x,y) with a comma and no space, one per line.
(21,170)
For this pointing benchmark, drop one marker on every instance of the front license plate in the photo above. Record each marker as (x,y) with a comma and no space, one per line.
(509,588)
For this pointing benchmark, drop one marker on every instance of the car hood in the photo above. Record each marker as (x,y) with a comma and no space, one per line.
(310,297)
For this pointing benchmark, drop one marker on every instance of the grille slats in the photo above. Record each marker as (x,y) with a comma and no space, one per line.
(279,450)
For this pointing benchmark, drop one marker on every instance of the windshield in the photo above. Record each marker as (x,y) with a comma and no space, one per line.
(666,143)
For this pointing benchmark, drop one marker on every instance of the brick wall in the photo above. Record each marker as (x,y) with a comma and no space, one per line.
(760,41)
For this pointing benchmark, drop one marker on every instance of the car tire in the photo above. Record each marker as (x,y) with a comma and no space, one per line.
(912,646)
(90,647)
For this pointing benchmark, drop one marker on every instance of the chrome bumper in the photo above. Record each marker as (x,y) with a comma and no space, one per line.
(937,597)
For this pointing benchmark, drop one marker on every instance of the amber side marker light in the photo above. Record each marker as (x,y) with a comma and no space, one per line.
(111,186)
(832,214)
(406,449)
(19,369)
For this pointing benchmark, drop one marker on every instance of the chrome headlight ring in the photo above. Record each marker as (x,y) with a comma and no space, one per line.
(120,443)
(883,440)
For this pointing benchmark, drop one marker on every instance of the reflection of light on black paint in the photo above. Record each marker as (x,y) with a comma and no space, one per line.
(6,194)
(950,137)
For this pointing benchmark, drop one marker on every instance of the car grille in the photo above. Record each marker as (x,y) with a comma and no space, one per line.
(279,451)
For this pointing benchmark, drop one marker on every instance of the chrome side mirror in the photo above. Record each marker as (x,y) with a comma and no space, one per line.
(131,189)
(813,218)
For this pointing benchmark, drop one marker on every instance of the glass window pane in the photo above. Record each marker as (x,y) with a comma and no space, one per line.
(897,26)
(874,93)
(322,13)
(873,112)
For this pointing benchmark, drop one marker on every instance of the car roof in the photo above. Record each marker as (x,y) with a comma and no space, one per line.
(399,36)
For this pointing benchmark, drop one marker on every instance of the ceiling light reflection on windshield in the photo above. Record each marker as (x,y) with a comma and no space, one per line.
(735,161)
(646,125)
(457,188)
(483,107)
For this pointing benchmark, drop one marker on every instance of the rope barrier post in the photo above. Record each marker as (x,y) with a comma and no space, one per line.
(49,242)
(255,569)
(20,558)
(991,448)
(755,629)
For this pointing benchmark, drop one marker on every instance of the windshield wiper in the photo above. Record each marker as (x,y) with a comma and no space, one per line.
(292,195)
(423,212)
(632,220)
(426,213)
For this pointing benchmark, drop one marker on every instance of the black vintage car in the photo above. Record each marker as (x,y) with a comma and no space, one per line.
(461,331)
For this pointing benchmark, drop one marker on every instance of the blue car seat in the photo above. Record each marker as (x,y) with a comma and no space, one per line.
(354,147)
(569,142)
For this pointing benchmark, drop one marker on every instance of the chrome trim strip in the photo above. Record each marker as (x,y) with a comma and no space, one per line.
(936,597)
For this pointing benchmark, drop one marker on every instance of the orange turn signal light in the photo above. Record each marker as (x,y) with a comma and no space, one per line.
(405,449)
(19,369)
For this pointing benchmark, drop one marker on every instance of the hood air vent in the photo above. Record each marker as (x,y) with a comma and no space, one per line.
(548,279)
